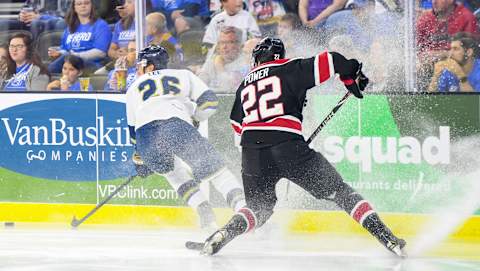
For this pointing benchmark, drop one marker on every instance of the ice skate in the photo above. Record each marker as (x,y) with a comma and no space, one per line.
(215,242)
(392,243)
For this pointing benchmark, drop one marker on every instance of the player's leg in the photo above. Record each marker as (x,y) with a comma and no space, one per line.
(207,164)
(189,190)
(259,187)
(317,176)
(157,153)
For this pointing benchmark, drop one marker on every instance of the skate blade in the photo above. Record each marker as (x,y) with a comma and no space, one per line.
(400,252)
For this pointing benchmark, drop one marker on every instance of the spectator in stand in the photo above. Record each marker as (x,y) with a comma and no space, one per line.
(25,71)
(232,15)
(124,30)
(105,9)
(314,13)
(37,19)
(225,69)
(130,60)
(180,14)
(267,13)
(289,31)
(434,30)
(461,71)
(3,61)
(157,34)
(86,37)
(363,24)
(71,71)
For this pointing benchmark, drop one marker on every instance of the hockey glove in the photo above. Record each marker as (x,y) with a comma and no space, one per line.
(142,170)
(357,83)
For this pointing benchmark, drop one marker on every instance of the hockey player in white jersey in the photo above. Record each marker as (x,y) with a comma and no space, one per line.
(162,105)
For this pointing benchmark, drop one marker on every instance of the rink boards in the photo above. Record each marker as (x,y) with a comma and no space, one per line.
(411,155)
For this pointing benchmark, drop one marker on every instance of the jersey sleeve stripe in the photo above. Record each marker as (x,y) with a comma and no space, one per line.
(323,67)
(208,105)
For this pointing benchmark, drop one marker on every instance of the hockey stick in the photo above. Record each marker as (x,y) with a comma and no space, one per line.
(76,222)
(320,127)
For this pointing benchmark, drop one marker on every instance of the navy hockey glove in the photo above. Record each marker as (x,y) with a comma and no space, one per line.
(142,170)
(357,83)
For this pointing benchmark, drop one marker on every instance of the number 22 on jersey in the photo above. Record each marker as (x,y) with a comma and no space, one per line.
(149,87)
(256,107)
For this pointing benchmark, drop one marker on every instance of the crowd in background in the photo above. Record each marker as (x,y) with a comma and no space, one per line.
(90,44)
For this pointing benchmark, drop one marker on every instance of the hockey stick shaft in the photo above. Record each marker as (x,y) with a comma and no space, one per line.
(76,222)
(320,127)
(329,117)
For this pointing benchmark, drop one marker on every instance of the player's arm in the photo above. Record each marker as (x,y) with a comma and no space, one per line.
(205,99)
(320,68)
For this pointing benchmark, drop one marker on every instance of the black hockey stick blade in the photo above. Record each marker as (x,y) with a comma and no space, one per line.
(198,246)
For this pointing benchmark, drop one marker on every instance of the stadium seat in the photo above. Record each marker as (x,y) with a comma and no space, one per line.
(45,40)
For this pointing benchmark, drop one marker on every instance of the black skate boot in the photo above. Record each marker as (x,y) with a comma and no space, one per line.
(235,227)
(383,234)
(392,243)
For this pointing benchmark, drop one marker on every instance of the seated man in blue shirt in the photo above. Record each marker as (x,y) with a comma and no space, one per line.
(464,51)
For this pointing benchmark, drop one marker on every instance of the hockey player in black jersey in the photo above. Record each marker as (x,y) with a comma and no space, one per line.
(267,113)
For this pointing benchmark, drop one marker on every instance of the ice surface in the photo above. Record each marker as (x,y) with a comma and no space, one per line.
(93,249)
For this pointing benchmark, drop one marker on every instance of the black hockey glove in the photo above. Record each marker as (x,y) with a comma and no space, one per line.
(356,83)
(142,170)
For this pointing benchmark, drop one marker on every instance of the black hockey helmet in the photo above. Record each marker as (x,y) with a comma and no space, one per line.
(268,49)
(155,55)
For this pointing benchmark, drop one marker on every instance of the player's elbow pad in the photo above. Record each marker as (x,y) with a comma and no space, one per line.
(345,67)
(206,105)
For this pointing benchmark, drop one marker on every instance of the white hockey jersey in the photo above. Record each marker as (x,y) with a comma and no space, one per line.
(168,93)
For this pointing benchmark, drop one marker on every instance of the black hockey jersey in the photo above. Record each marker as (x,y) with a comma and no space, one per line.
(270,99)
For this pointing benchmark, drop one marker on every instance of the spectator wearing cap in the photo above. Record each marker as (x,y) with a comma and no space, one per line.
(314,13)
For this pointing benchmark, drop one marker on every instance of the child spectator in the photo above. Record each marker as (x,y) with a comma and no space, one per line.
(86,37)
(232,15)
(25,70)
(71,71)
(157,34)
(314,13)
(130,61)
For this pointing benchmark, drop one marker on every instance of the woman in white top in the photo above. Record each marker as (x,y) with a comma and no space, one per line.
(25,71)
